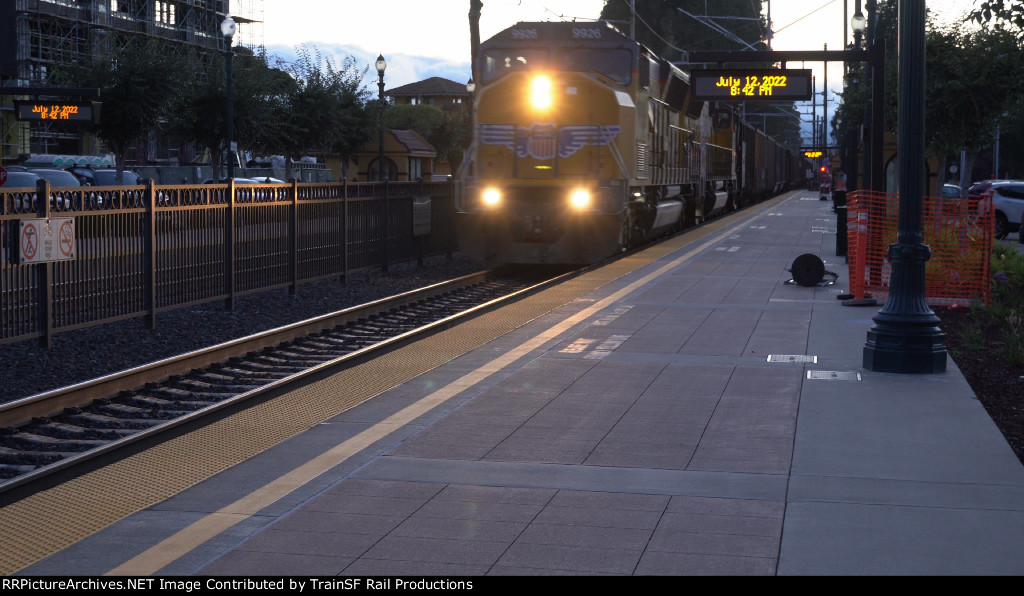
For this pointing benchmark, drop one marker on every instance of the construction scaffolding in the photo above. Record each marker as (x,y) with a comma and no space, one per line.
(36,36)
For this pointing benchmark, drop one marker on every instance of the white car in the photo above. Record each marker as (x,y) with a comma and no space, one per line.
(1008,199)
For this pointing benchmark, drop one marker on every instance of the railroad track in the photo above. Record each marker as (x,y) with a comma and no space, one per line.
(63,430)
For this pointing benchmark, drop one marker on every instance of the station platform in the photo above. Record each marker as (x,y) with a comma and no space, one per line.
(686,410)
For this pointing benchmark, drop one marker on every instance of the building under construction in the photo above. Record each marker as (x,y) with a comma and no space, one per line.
(36,36)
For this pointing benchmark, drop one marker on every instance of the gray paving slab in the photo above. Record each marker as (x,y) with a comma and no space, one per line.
(656,436)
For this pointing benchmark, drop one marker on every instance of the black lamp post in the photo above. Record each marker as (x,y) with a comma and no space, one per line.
(905,337)
(381,65)
(874,111)
(858,24)
(227,28)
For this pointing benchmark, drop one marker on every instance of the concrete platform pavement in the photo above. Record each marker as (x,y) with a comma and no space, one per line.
(691,414)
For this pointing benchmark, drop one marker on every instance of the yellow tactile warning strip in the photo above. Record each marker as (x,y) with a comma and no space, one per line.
(47,522)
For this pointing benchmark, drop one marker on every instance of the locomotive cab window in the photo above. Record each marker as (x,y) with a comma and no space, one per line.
(617,65)
(498,63)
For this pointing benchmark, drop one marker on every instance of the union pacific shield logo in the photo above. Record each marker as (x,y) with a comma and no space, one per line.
(542,140)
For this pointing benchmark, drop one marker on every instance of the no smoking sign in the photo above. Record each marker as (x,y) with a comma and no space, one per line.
(45,240)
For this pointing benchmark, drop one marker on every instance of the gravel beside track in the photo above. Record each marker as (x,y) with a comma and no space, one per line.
(78,356)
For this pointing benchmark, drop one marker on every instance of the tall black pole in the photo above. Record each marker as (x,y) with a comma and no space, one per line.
(905,337)
(227,27)
(824,107)
(877,107)
(869,130)
(380,118)
(381,65)
(230,114)
(853,136)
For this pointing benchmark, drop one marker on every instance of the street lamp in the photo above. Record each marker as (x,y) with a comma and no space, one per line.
(905,337)
(858,23)
(227,29)
(381,65)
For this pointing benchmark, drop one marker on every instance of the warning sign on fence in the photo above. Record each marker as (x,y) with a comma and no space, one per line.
(44,240)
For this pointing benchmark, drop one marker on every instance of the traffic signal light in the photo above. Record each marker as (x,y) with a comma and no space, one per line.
(823,169)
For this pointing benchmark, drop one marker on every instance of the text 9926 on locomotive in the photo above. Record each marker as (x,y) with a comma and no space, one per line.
(585,144)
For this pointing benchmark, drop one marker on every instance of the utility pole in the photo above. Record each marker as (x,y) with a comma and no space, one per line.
(632,19)
(824,104)
(475,6)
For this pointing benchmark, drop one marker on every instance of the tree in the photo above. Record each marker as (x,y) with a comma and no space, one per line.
(448,134)
(322,110)
(1007,15)
(968,94)
(670,28)
(475,6)
(851,113)
(201,115)
(138,83)
(961,114)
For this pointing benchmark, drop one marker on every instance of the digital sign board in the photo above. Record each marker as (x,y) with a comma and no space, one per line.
(48,111)
(745,84)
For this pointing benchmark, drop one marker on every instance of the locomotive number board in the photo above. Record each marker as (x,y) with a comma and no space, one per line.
(751,84)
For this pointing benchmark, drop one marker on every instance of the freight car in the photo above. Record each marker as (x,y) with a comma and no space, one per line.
(585,144)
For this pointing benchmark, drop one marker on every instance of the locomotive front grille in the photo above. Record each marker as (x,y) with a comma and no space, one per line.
(537,228)
(537,214)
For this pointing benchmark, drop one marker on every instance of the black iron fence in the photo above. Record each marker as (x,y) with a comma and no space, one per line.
(136,251)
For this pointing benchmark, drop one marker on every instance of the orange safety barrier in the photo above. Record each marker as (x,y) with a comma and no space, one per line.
(960,233)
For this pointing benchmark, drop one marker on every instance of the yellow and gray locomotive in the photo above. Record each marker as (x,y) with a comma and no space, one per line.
(585,143)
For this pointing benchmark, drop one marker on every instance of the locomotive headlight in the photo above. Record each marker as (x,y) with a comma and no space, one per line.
(491,196)
(541,92)
(580,198)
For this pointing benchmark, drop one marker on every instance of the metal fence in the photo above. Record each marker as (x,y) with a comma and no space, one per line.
(136,251)
(958,232)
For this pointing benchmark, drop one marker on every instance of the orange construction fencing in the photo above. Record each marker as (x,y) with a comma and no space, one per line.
(959,232)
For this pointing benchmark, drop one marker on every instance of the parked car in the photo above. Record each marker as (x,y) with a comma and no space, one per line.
(24,180)
(237,181)
(1008,200)
(57,177)
(947,206)
(104,176)
(975,190)
(21,179)
(950,191)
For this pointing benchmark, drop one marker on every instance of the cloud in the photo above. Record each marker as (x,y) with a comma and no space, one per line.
(402,69)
